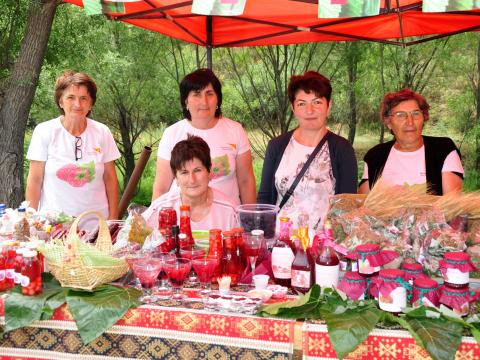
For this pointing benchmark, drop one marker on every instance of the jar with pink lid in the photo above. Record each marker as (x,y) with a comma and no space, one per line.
(455,267)
(425,292)
(370,258)
(392,288)
(354,285)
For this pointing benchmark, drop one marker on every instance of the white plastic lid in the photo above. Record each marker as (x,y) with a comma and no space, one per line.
(29,253)
(257,232)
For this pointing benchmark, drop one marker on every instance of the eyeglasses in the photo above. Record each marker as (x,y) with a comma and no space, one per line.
(403,115)
(78,149)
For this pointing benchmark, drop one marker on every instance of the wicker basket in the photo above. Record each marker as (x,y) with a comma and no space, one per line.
(73,271)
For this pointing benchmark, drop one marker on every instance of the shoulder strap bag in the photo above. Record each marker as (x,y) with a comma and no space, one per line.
(303,171)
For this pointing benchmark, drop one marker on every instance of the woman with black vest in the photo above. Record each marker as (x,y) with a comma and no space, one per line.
(411,157)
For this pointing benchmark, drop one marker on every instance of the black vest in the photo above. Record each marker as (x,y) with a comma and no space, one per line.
(436,150)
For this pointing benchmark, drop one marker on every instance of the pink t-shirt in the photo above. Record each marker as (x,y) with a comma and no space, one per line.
(409,167)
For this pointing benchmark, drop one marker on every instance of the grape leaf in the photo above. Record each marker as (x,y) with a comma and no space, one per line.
(95,312)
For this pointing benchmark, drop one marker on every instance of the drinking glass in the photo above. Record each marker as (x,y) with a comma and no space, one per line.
(177,270)
(146,269)
(163,290)
(251,249)
(130,257)
(205,267)
(191,253)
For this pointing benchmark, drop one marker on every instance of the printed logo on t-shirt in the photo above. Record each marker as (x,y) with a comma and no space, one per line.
(220,167)
(77,175)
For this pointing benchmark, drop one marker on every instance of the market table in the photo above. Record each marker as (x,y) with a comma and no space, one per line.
(174,332)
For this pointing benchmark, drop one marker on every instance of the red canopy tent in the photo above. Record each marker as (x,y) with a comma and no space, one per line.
(274,22)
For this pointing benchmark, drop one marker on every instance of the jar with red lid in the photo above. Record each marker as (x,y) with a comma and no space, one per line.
(354,285)
(425,292)
(412,271)
(370,258)
(457,299)
(455,267)
(392,288)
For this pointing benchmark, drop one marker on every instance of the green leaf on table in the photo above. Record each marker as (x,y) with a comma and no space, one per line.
(95,312)
(473,323)
(21,310)
(348,327)
(439,337)
(302,308)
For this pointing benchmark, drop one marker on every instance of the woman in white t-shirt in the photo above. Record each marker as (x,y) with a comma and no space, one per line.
(209,208)
(72,158)
(412,158)
(232,170)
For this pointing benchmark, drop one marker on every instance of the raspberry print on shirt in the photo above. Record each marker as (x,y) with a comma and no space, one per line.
(77,175)
(220,167)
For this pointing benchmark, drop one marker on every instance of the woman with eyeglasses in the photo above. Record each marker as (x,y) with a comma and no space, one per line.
(72,157)
(232,170)
(333,167)
(411,157)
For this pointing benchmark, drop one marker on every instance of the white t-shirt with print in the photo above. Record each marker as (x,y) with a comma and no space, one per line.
(409,167)
(226,140)
(311,196)
(222,214)
(68,185)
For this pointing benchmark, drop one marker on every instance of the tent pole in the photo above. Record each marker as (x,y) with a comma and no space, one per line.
(209,42)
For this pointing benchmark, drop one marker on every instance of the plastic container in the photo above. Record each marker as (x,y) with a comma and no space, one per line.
(259,216)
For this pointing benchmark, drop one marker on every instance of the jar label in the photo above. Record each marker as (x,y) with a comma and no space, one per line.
(365,268)
(17,277)
(282,259)
(10,273)
(455,276)
(25,281)
(327,276)
(301,279)
(395,301)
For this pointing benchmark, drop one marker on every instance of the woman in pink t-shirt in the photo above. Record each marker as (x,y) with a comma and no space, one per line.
(412,158)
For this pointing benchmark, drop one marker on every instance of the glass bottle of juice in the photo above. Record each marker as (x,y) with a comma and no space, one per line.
(283,254)
(31,279)
(327,265)
(215,250)
(303,265)
(185,227)
(230,261)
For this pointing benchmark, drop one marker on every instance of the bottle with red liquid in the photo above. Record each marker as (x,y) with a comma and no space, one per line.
(185,227)
(31,279)
(230,261)
(303,265)
(283,254)
(215,250)
(238,237)
(174,232)
(327,265)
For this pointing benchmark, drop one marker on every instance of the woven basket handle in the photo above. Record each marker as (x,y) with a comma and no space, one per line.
(104,240)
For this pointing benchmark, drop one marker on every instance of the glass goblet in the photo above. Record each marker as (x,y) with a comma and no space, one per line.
(205,267)
(251,249)
(163,290)
(191,253)
(146,269)
(177,271)
(130,258)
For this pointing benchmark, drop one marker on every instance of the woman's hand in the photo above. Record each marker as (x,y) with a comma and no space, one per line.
(35,182)
(111,188)
(246,178)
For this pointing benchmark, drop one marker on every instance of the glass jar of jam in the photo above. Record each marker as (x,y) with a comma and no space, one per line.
(412,271)
(354,285)
(457,299)
(455,267)
(392,288)
(368,259)
(31,274)
(425,292)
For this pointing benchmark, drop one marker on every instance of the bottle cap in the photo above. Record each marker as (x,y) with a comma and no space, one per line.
(21,209)
(184,207)
(175,230)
